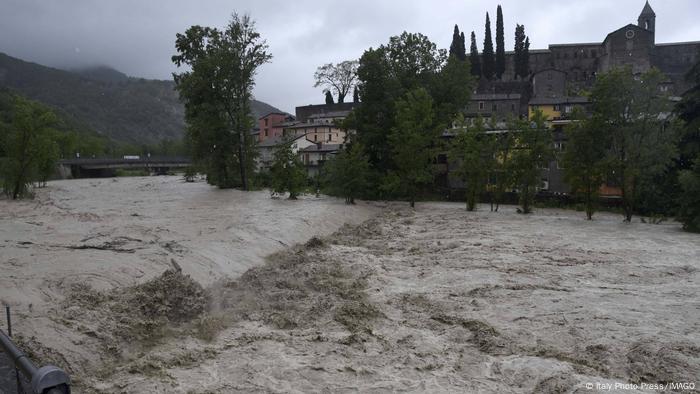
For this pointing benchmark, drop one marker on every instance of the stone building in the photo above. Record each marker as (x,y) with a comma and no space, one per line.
(631,45)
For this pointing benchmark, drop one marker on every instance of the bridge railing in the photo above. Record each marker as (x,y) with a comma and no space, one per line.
(44,380)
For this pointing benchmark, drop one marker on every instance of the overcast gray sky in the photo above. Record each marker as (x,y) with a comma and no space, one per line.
(137,36)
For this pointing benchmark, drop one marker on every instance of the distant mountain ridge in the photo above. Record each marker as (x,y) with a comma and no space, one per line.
(123,108)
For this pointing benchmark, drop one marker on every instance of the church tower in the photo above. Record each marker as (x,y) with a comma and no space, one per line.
(647,19)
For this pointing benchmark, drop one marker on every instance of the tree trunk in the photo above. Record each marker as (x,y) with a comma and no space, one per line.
(242,160)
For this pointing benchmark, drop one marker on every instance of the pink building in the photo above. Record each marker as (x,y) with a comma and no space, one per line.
(272,125)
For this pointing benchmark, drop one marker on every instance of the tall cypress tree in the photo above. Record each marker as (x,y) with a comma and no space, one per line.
(526,57)
(454,47)
(474,58)
(500,44)
(329,97)
(488,61)
(519,50)
(463,48)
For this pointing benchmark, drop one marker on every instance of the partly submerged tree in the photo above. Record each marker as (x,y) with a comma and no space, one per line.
(288,174)
(472,151)
(413,141)
(688,109)
(347,173)
(338,78)
(217,90)
(634,112)
(584,159)
(533,150)
(28,147)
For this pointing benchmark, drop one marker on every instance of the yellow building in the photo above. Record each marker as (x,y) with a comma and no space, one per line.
(556,109)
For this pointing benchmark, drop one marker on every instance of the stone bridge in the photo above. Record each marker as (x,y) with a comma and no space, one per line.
(96,168)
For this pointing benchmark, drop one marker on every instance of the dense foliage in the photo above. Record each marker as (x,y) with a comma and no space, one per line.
(217,92)
(288,174)
(346,175)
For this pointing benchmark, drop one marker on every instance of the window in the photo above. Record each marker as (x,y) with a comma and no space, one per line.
(512,107)
(329,137)
(557,107)
(481,105)
(266,130)
(494,107)
(266,122)
(315,137)
(575,54)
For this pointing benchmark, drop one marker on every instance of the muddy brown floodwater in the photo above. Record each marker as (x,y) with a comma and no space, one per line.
(155,285)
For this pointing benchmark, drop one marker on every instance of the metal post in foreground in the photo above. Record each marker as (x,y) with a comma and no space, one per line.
(45,380)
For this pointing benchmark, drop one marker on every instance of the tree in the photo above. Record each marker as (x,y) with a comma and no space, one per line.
(521,52)
(501,174)
(47,156)
(474,58)
(462,48)
(413,144)
(287,172)
(688,110)
(488,66)
(472,151)
(347,173)
(338,78)
(451,89)
(532,151)
(584,159)
(217,91)
(386,74)
(633,111)
(455,46)
(355,95)
(27,140)
(500,44)
(689,211)
(329,97)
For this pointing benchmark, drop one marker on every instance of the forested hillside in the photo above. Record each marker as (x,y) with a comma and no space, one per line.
(125,109)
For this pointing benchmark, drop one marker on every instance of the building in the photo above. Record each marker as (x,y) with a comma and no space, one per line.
(272,125)
(266,149)
(632,45)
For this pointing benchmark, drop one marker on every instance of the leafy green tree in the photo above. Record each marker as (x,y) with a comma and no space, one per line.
(27,140)
(501,175)
(488,63)
(472,150)
(688,110)
(47,156)
(584,159)
(339,78)
(533,150)
(462,48)
(407,62)
(474,58)
(413,140)
(633,109)
(689,211)
(217,93)
(288,173)
(451,89)
(500,44)
(346,175)
(329,97)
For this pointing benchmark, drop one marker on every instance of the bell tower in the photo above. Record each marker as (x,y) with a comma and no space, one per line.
(647,19)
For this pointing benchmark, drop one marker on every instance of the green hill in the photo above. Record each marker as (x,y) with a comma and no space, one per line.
(122,108)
